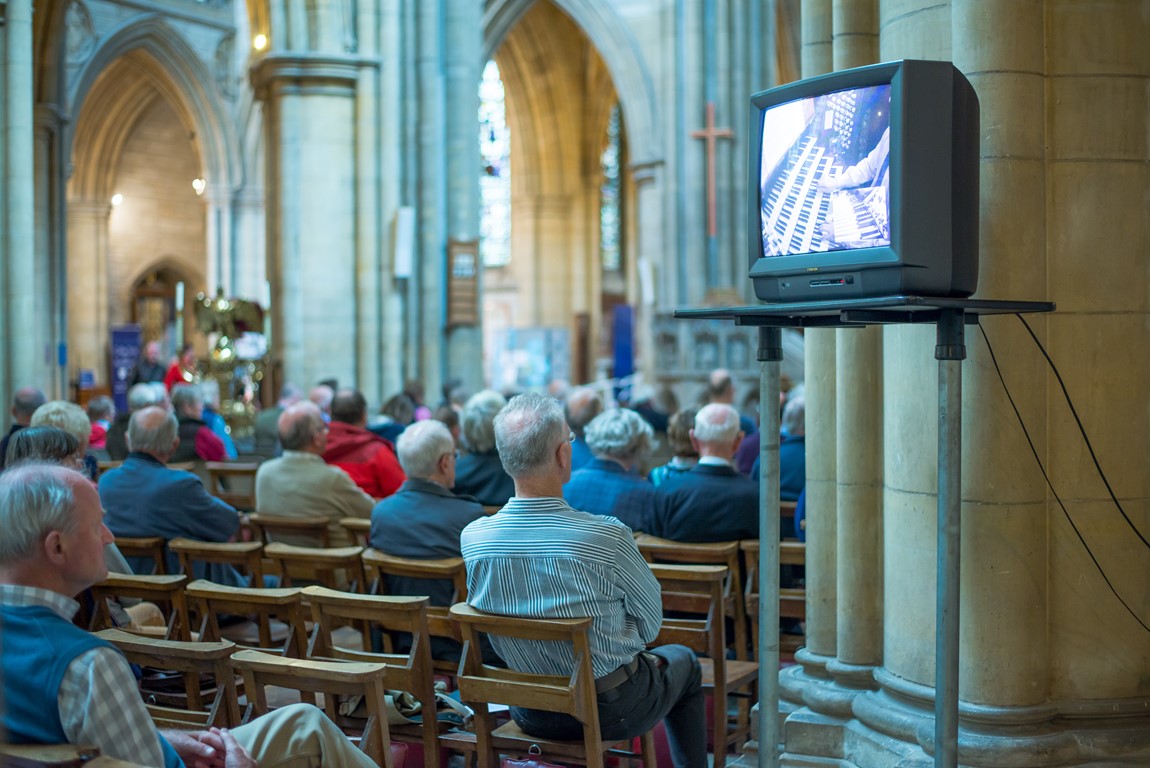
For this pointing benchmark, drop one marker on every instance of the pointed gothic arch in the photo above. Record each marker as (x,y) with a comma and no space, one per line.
(612,38)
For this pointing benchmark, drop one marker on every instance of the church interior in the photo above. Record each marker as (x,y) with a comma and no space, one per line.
(519,194)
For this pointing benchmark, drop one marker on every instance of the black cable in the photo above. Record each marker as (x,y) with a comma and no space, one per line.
(1046,477)
(1082,429)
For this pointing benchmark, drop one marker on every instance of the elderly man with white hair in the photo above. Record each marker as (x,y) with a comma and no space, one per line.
(610,483)
(140,396)
(711,502)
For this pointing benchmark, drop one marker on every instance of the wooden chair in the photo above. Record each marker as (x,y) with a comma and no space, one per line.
(358,528)
(246,556)
(698,591)
(192,660)
(379,567)
(147,547)
(304,531)
(792,601)
(54,756)
(331,678)
(161,590)
(284,605)
(336,567)
(410,671)
(573,694)
(233,482)
(656,550)
(491,509)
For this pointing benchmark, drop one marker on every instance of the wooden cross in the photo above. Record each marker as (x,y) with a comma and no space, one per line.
(711,135)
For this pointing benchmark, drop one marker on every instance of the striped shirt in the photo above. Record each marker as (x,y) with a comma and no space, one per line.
(98,700)
(539,558)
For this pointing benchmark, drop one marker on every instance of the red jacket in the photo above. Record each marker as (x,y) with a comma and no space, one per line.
(366,457)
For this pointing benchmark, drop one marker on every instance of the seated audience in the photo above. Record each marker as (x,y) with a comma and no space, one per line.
(414,391)
(210,391)
(101,411)
(197,440)
(684,457)
(450,418)
(478,472)
(183,370)
(24,404)
(322,394)
(72,419)
(583,404)
(301,484)
(144,497)
(721,390)
(150,368)
(712,501)
(610,483)
(367,457)
(393,418)
(578,565)
(62,684)
(423,519)
(140,396)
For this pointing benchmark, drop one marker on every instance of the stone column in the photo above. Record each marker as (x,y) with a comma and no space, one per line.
(88,299)
(51,272)
(859,435)
(650,245)
(463,56)
(309,108)
(22,342)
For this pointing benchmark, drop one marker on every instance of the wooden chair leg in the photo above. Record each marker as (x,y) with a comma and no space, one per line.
(647,749)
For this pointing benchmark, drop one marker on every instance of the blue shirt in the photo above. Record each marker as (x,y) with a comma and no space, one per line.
(604,487)
(539,558)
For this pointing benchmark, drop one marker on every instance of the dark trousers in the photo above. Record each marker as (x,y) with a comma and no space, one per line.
(666,685)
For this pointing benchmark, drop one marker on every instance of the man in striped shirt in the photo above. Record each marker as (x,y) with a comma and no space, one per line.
(539,558)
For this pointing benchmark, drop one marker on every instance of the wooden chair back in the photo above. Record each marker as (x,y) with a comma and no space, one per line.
(695,594)
(246,556)
(233,482)
(657,550)
(50,756)
(313,529)
(191,660)
(331,678)
(262,605)
(411,671)
(358,528)
(379,566)
(792,601)
(165,591)
(336,567)
(145,547)
(572,694)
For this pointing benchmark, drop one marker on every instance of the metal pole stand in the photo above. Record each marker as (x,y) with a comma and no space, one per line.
(770,354)
(950,351)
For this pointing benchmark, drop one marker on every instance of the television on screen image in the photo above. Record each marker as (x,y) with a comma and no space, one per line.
(865,183)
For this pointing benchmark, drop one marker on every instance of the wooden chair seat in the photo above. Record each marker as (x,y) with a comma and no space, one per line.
(233,482)
(191,660)
(573,694)
(331,678)
(265,605)
(309,531)
(411,671)
(146,547)
(657,550)
(164,591)
(379,567)
(358,528)
(335,567)
(698,591)
(246,556)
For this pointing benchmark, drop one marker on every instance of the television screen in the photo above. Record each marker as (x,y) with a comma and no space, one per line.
(865,183)
(825,181)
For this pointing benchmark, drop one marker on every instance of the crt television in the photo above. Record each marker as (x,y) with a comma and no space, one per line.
(865,183)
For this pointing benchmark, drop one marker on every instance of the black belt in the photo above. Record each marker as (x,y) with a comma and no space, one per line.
(613,680)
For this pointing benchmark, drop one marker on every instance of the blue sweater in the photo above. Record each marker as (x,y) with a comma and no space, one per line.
(38,647)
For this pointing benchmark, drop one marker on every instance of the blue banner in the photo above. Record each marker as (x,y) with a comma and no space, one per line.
(126,343)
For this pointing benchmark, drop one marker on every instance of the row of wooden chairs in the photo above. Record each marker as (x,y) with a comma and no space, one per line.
(695,593)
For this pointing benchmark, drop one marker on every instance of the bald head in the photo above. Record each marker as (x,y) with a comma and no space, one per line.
(24,404)
(583,405)
(301,428)
(720,387)
(153,430)
(322,395)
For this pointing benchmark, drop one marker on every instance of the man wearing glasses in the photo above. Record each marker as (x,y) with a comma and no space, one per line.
(540,558)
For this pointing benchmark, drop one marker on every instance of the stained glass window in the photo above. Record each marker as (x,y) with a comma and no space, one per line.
(495,171)
(610,193)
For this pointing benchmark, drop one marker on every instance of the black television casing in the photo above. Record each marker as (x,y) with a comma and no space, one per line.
(933,197)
